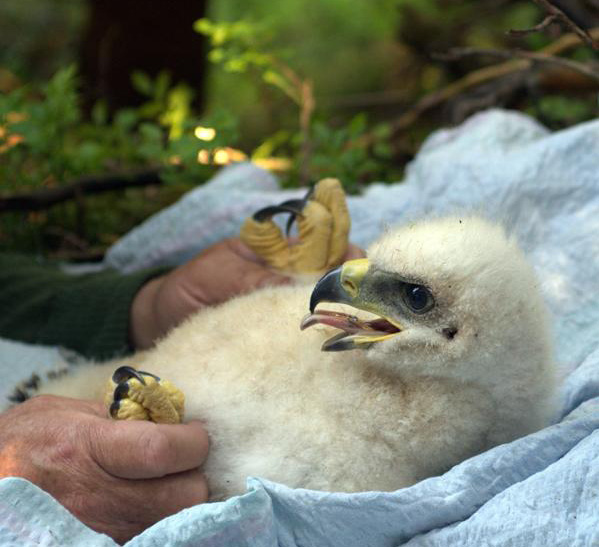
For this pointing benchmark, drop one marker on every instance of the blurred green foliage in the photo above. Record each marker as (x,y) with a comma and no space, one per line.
(340,152)
(343,48)
(317,85)
(55,144)
(38,37)
(313,144)
(45,142)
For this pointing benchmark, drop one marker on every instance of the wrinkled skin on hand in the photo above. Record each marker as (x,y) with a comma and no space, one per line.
(222,271)
(117,477)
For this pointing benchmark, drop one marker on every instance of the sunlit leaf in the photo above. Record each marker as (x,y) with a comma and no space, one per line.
(203,26)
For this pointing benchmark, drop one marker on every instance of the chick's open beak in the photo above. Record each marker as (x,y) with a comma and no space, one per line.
(343,285)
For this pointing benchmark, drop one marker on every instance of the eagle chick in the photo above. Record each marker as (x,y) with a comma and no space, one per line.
(437,347)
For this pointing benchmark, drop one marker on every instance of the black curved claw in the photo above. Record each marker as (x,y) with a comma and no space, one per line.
(289,224)
(303,202)
(120,377)
(114,409)
(267,212)
(121,391)
(292,206)
(124,373)
(296,204)
(309,193)
(146,373)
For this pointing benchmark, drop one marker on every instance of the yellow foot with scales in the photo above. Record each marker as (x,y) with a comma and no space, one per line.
(323,229)
(137,395)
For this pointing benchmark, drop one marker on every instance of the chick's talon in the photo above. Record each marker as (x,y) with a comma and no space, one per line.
(294,207)
(138,395)
(124,373)
(323,228)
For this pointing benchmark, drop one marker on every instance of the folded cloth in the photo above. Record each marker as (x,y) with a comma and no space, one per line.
(536,491)
(19,362)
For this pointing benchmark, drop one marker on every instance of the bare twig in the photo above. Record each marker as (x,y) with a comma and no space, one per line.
(306,111)
(458,53)
(541,26)
(302,93)
(469,81)
(568,41)
(561,16)
(360,100)
(476,78)
(44,199)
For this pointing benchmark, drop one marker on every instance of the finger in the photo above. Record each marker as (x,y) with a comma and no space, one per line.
(55,402)
(95,408)
(237,246)
(256,276)
(171,494)
(130,506)
(139,450)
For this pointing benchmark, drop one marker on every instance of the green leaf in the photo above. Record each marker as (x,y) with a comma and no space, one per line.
(203,26)
(219,35)
(216,55)
(142,83)
(151,132)
(100,113)
(357,125)
(278,80)
(383,150)
(162,84)
(267,148)
(125,119)
(236,65)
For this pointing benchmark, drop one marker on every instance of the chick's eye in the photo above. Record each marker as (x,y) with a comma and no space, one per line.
(418,298)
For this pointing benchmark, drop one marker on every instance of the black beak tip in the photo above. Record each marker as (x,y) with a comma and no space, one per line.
(328,289)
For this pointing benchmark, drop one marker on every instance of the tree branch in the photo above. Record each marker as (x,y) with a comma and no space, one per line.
(560,15)
(46,198)
(473,79)
(541,26)
(457,53)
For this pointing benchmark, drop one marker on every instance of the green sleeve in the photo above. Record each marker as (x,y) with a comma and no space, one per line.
(88,313)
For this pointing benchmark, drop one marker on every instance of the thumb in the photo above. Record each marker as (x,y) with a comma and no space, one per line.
(140,450)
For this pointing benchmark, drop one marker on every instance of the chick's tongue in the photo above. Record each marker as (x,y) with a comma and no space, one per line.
(350,324)
(347,323)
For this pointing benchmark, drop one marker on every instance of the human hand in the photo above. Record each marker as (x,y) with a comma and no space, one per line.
(220,272)
(117,477)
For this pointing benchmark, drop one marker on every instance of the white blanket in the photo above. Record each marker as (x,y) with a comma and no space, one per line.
(537,491)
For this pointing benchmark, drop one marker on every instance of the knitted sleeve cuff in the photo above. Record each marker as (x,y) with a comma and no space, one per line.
(90,314)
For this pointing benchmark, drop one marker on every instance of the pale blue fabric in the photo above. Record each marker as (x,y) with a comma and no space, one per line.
(537,491)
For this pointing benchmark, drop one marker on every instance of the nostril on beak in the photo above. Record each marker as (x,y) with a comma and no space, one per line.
(350,287)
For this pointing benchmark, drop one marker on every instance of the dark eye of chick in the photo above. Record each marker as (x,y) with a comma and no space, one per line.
(418,298)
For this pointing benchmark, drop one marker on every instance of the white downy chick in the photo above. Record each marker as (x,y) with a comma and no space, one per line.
(456,358)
